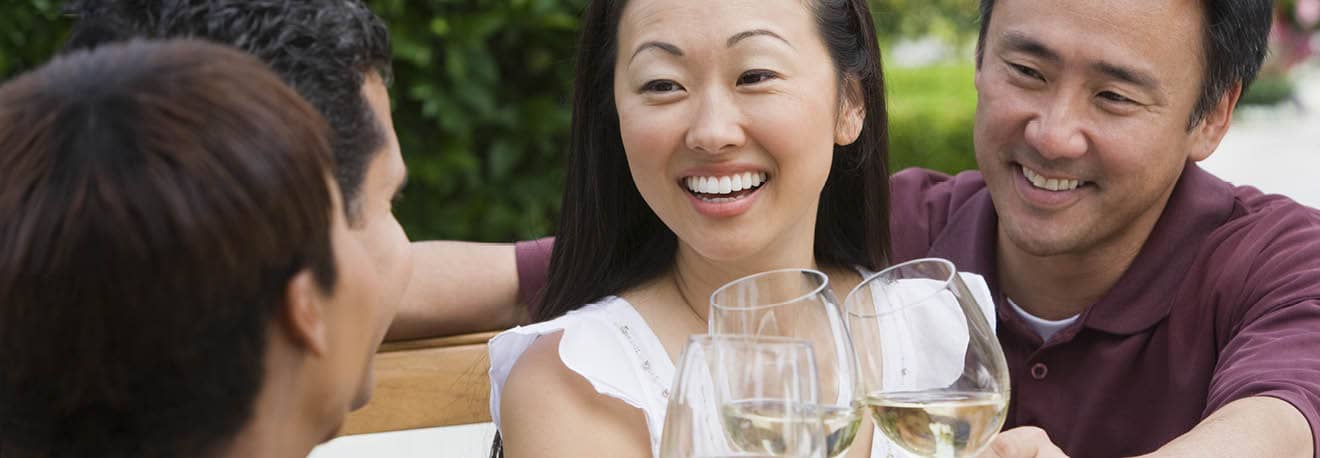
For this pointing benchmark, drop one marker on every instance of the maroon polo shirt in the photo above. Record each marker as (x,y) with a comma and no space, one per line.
(1222,303)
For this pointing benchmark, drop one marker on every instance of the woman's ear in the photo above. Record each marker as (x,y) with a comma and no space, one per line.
(302,314)
(852,114)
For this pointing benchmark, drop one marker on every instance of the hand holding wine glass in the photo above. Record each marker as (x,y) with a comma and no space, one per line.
(1020,442)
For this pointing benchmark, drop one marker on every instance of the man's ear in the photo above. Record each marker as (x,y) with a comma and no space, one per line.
(852,113)
(302,314)
(1210,131)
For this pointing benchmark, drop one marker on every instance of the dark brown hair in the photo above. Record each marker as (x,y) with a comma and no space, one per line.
(157,200)
(324,49)
(609,240)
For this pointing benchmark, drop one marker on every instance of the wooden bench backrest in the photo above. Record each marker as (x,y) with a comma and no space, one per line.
(427,383)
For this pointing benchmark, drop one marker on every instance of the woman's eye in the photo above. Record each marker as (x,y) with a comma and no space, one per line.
(755,76)
(1027,71)
(661,86)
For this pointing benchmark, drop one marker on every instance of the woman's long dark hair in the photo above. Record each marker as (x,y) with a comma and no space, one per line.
(609,240)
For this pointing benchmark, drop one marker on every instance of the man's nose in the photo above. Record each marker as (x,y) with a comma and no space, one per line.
(1057,131)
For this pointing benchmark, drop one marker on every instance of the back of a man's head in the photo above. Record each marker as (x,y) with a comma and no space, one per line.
(157,199)
(324,49)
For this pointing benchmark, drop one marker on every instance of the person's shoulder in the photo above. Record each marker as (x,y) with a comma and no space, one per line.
(926,179)
(540,376)
(1267,224)
(924,201)
(589,346)
(540,370)
(548,406)
(1267,253)
(929,188)
(1253,202)
(591,322)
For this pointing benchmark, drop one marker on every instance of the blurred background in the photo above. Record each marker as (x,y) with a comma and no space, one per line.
(482,88)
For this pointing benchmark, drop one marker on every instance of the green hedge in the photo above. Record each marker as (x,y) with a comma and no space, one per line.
(481,103)
(30,31)
(930,117)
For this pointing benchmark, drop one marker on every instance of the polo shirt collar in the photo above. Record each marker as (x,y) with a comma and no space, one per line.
(1144,294)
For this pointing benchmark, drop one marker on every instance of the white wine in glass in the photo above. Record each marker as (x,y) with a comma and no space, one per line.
(798,304)
(939,423)
(934,373)
(753,424)
(740,396)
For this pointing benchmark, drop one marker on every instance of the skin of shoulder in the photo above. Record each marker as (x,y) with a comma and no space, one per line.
(547,410)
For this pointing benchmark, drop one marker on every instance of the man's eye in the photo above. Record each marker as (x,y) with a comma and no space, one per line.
(661,86)
(1027,71)
(755,76)
(394,201)
(1114,97)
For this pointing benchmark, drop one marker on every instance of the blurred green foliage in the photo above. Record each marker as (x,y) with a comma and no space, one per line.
(481,102)
(30,31)
(931,110)
(481,96)
(955,21)
(1269,89)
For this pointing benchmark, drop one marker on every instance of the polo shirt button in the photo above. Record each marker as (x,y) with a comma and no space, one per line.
(1039,371)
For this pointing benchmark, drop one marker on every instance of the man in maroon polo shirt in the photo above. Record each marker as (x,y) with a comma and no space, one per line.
(1144,305)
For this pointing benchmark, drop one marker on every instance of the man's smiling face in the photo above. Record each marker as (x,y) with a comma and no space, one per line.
(1082,117)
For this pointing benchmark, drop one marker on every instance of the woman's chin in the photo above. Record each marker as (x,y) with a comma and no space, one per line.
(731,250)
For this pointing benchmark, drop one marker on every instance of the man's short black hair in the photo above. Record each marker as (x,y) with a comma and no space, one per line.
(158,198)
(322,48)
(1236,41)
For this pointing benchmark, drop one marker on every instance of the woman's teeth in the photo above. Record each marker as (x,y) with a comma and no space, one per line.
(1051,184)
(725,184)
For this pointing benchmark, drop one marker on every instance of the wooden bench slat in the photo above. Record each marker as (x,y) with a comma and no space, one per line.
(437,342)
(427,383)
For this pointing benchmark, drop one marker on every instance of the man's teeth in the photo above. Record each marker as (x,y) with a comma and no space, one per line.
(1051,184)
(725,184)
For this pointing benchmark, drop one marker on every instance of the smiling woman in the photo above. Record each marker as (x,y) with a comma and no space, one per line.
(711,140)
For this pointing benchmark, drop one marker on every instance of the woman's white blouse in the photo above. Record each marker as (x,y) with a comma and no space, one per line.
(610,345)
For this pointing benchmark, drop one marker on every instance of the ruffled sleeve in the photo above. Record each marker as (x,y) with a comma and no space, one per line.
(609,345)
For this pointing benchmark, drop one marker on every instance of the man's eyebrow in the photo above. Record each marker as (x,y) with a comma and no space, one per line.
(1019,42)
(1125,74)
(740,36)
(666,47)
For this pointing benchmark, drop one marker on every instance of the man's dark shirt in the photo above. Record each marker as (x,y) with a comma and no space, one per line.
(1222,303)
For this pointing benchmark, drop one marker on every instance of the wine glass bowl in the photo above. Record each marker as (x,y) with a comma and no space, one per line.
(742,396)
(799,304)
(934,373)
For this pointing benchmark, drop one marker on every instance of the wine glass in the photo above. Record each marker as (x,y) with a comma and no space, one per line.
(935,376)
(740,396)
(798,303)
